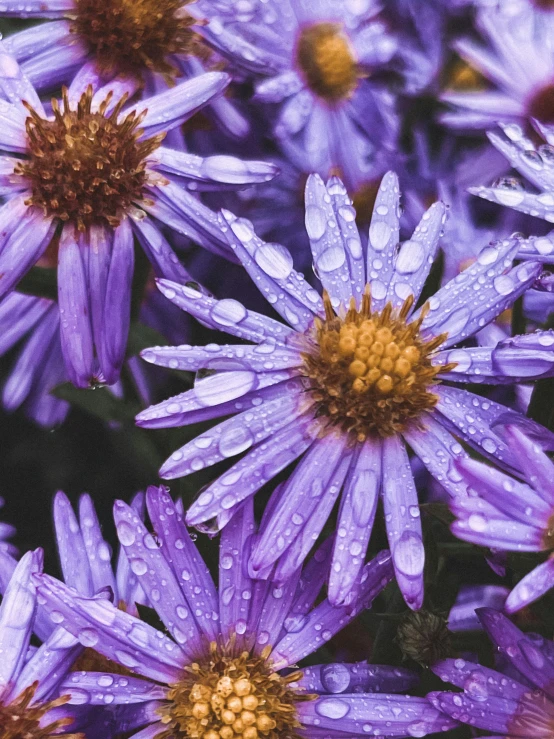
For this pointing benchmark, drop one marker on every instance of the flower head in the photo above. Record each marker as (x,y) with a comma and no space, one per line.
(507,514)
(224,671)
(84,182)
(516,704)
(351,378)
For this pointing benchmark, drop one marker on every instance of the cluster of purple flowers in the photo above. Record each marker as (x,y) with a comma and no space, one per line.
(390,382)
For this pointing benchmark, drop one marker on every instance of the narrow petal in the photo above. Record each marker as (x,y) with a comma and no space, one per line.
(459,672)
(152,569)
(326,620)
(99,689)
(526,357)
(256,468)
(186,562)
(24,246)
(38,8)
(403,521)
(17,613)
(98,550)
(271,268)
(384,233)
(71,547)
(14,84)
(160,253)
(235,586)
(219,169)
(359,677)
(117,635)
(416,257)
(75,326)
(491,714)
(532,587)
(237,434)
(171,108)
(326,241)
(355,523)
(539,469)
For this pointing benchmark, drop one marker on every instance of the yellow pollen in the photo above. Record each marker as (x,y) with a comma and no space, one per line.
(132,37)
(371,374)
(23,719)
(326,60)
(86,167)
(232,695)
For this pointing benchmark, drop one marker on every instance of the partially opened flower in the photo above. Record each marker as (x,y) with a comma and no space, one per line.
(344,384)
(516,56)
(224,670)
(82,181)
(519,703)
(508,514)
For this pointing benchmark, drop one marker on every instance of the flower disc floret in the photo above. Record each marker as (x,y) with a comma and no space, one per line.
(371,373)
(134,36)
(22,719)
(326,60)
(232,695)
(85,166)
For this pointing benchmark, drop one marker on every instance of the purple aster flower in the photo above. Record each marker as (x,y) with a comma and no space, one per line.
(317,59)
(515,54)
(343,385)
(224,667)
(508,514)
(146,42)
(519,703)
(32,700)
(67,194)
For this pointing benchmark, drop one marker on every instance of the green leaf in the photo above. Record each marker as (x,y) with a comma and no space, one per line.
(99,402)
(141,337)
(440,511)
(42,282)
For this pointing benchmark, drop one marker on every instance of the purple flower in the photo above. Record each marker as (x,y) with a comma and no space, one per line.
(33,702)
(519,703)
(508,514)
(317,59)
(515,55)
(345,406)
(226,661)
(67,194)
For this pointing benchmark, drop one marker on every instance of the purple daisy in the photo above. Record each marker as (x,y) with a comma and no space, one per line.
(224,668)
(519,703)
(516,55)
(32,700)
(508,514)
(318,58)
(66,193)
(346,406)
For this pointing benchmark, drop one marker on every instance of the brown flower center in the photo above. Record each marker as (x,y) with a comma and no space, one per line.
(21,720)
(232,695)
(133,36)
(543,4)
(371,373)
(86,167)
(541,104)
(326,60)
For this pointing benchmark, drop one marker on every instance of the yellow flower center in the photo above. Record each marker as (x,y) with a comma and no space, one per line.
(85,167)
(326,60)
(232,696)
(21,720)
(133,36)
(371,373)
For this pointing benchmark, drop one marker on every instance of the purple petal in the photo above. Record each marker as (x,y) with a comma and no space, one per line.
(14,84)
(359,677)
(71,547)
(17,613)
(98,551)
(473,676)
(100,689)
(403,521)
(117,635)
(188,566)
(38,8)
(157,578)
(526,357)
(309,633)
(219,169)
(235,586)
(171,108)
(75,328)
(259,466)
(357,513)
(539,469)
(416,256)
(532,587)
(237,434)
(490,713)
(384,233)
(158,250)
